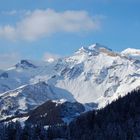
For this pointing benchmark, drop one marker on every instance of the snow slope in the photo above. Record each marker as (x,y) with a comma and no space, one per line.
(132,53)
(27,97)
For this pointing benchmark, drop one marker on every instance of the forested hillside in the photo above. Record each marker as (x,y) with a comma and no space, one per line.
(118,121)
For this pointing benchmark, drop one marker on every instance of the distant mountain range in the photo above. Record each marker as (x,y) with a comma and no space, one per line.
(94,76)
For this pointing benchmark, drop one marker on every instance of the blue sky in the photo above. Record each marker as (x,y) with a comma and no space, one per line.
(38,29)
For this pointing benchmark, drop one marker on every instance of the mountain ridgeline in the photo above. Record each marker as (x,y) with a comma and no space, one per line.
(119,120)
(92,75)
(73,98)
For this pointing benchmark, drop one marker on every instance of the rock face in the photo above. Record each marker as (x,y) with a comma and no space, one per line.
(92,75)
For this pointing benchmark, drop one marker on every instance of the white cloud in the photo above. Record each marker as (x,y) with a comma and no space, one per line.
(40,23)
(9,13)
(50,57)
(15,13)
(7,60)
(8,32)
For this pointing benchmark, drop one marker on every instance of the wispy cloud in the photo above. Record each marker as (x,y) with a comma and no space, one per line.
(7,60)
(9,13)
(15,12)
(41,23)
(50,57)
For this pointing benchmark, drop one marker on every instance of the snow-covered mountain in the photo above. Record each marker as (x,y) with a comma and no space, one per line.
(28,97)
(93,74)
(132,53)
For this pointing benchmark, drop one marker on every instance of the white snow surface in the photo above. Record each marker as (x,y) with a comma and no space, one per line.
(132,53)
(93,74)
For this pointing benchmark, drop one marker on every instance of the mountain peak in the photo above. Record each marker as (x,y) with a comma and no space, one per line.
(94,46)
(95,49)
(131,51)
(25,64)
(98,46)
